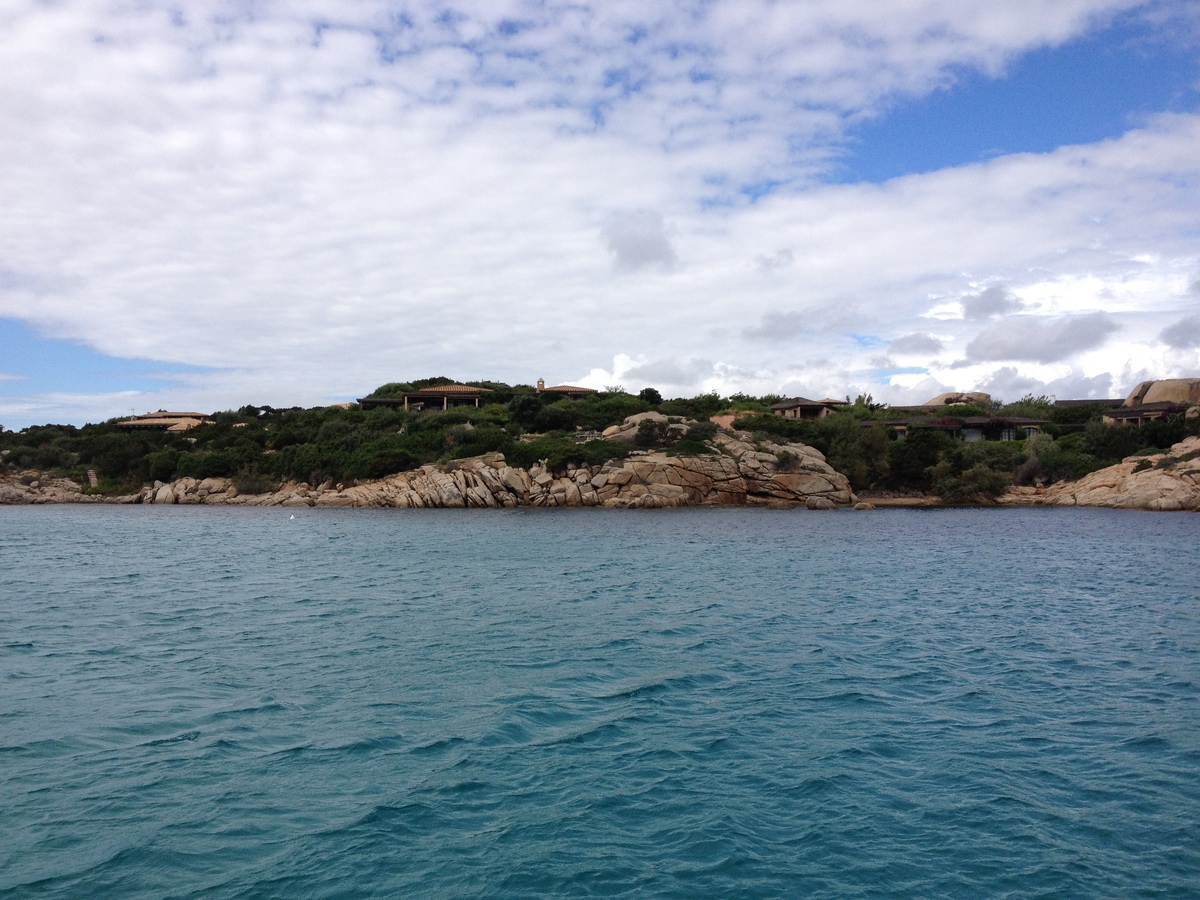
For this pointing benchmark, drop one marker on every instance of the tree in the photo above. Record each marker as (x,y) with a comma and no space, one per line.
(525,409)
(650,395)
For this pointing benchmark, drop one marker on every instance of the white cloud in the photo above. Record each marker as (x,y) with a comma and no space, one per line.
(1009,383)
(991,301)
(1184,334)
(916,343)
(1039,340)
(316,210)
(779,326)
(638,239)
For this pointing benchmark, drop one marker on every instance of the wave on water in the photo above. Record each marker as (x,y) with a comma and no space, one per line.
(710,703)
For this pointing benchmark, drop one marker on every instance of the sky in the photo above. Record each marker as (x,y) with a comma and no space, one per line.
(205,205)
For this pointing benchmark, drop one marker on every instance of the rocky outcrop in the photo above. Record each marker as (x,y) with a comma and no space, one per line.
(1165,390)
(1163,481)
(35,487)
(955,397)
(738,473)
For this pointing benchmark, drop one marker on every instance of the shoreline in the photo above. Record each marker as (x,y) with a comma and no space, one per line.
(736,474)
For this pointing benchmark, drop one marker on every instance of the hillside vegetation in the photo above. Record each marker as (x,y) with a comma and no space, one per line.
(262,446)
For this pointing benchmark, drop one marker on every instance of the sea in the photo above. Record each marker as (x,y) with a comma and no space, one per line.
(231,702)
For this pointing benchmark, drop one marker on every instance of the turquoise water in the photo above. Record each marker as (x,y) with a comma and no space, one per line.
(208,702)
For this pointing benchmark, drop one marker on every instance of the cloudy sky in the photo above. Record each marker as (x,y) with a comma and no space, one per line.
(208,204)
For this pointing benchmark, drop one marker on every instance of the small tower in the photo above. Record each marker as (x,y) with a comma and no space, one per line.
(541,385)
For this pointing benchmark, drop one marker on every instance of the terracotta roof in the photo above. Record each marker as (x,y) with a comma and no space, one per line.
(164,414)
(449,389)
(185,424)
(168,421)
(571,389)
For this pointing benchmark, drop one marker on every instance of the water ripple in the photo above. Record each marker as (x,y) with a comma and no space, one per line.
(514,704)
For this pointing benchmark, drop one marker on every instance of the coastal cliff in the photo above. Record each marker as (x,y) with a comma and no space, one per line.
(1162,481)
(738,472)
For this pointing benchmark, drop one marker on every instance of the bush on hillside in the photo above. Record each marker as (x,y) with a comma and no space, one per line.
(976,483)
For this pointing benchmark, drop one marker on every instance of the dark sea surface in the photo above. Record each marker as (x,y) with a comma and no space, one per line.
(226,702)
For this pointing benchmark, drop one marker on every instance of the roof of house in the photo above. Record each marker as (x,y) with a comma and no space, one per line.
(571,389)
(168,421)
(798,402)
(450,390)
(438,392)
(164,414)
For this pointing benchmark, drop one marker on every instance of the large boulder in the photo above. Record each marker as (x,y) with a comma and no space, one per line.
(12,494)
(1165,390)
(953,397)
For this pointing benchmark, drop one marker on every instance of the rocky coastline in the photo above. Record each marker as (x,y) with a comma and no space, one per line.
(1164,482)
(737,473)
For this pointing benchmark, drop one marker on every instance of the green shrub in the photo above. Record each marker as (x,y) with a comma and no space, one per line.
(797,430)
(689,447)
(385,455)
(558,450)
(23,456)
(249,480)
(700,407)
(162,464)
(1065,465)
(599,411)
(1076,442)
(1029,407)
(562,415)
(651,433)
(976,483)
(787,461)
(911,459)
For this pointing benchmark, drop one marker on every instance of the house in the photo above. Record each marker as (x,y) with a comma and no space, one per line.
(801,408)
(1158,399)
(1140,415)
(568,390)
(442,396)
(969,428)
(165,421)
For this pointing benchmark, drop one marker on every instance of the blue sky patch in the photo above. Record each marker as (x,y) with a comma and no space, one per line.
(1087,90)
(867,341)
(36,365)
(883,376)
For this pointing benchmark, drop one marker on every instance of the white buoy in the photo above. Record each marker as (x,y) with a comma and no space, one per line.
(291,516)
